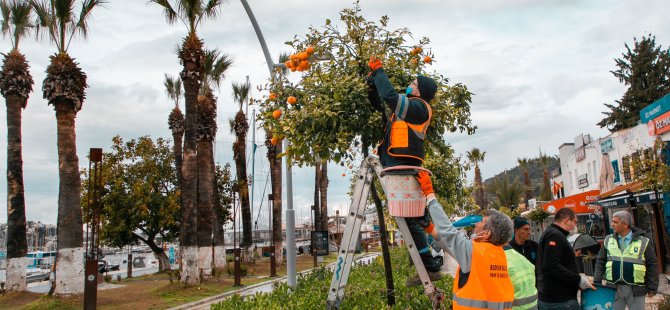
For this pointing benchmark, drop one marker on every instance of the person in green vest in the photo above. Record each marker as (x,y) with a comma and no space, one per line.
(627,262)
(522,273)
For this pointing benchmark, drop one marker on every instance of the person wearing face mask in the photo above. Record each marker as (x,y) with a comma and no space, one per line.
(482,280)
(404,137)
(557,277)
(522,242)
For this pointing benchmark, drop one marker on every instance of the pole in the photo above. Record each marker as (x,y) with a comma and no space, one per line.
(259,34)
(290,225)
(312,247)
(273,262)
(253,162)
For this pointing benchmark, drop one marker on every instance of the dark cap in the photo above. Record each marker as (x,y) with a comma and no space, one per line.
(520,222)
(427,87)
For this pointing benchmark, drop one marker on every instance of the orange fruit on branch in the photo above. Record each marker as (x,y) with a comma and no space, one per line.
(272,96)
(276,114)
(310,50)
(427,59)
(292,100)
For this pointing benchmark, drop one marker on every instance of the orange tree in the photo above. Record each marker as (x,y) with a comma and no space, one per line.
(326,115)
(329,116)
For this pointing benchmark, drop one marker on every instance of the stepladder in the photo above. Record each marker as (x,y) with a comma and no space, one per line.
(404,199)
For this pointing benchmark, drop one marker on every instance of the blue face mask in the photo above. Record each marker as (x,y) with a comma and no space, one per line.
(408,91)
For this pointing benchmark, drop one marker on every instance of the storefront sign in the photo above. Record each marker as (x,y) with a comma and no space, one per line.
(580,154)
(655,109)
(606,146)
(578,203)
(659,125)
(583,181)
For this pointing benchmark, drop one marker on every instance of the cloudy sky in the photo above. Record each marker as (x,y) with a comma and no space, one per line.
(540,72)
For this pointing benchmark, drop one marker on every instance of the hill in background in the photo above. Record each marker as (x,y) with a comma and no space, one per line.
(535,171)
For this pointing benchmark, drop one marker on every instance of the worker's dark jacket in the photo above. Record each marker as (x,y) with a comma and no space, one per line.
(557,275)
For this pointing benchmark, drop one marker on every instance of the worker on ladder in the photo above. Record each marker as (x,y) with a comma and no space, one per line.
(403,144)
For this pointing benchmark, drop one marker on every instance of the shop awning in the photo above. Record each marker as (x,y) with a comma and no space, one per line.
(622,200)
(578,203)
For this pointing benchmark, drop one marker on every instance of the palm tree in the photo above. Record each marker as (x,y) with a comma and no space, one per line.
(524,163)
(15,85)
(215,66)
(173,89)
(475,156)
(545,161)
(240,128)
(191,13)
(508,193)
(65,88)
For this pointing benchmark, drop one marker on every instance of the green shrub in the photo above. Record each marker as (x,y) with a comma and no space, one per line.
(665,303)
(108,278)
(366,289)
(243,269)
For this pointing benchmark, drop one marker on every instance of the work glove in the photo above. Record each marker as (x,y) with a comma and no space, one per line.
(424,181)
(584,283)
(374,63)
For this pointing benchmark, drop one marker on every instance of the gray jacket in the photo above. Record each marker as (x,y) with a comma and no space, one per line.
(651,263)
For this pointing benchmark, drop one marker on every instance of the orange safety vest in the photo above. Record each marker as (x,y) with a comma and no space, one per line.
(406,140)
(488,285)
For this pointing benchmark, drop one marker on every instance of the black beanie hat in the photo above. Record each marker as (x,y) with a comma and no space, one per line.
(427,87)
(520,222)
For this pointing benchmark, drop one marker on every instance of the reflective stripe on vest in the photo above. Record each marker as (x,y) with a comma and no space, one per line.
(627,266)
(488,285)
(401,143)
(482,304)
(522,275)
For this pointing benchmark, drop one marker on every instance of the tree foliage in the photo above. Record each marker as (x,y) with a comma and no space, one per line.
(139,192)
(651,167)
(646,71)
(333,120)
(507,192)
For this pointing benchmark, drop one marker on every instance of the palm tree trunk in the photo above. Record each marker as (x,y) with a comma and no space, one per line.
(70,257)
(240,156)
(178,138)
(191,56)
(323,189)
(480,199)
(526,181)
(276,180)
(205,205)
(17,247)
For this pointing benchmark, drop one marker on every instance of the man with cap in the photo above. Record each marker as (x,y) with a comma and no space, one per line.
(404,137)
(522,242)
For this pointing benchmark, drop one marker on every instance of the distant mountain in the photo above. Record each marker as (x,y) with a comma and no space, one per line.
(535,171)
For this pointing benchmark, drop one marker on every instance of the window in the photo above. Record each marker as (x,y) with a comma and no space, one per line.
(615,166)
(625,162)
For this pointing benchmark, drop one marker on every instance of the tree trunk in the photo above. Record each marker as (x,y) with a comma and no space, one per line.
(191,56)
(240,156)
(70,257)
(276,180)
(480,199)
(205,206)
(17,247)
(526,181)
(323,188)
(163,260)
(384,240)
(178,138)
(317,204)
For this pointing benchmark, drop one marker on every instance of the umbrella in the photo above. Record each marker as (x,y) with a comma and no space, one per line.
(468,221)
(606,181)
(584,242)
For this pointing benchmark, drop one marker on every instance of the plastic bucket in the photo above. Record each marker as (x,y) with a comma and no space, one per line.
(600,299)
(405,197)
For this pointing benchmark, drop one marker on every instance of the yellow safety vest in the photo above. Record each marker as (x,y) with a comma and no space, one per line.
(627,266)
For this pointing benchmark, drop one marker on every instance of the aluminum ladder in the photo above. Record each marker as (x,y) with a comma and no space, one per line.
(370,168)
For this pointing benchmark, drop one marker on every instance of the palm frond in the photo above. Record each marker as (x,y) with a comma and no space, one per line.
(241,92)
(221,65)
(170,14)
(44,19)
(5,11)
(86,9)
